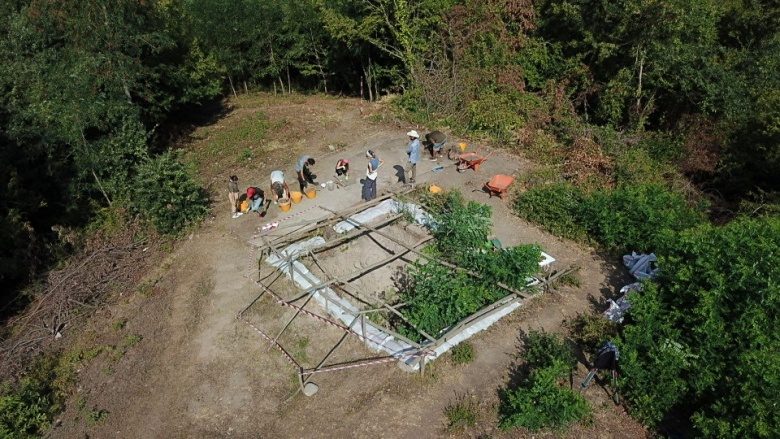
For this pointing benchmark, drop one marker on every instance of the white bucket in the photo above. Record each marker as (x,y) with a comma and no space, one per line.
(331,185)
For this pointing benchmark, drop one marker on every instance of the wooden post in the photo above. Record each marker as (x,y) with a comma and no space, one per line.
(363,329)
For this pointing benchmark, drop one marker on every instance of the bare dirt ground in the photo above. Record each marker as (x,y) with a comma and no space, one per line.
(198,371)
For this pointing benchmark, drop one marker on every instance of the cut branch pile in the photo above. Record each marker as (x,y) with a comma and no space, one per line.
(106,264)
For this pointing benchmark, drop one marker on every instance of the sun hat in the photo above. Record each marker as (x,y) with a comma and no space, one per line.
(345,161)
(250,192)
(413,133)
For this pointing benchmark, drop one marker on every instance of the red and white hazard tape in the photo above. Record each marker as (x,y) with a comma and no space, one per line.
(352,366)
(275,343)
(260,230)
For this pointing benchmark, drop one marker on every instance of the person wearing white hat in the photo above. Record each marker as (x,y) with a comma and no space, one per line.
(413,151)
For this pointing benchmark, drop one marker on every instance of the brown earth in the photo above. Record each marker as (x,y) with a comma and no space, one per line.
(198,371)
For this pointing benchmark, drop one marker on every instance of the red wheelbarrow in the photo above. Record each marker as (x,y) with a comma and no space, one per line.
(499,184)
(471,160)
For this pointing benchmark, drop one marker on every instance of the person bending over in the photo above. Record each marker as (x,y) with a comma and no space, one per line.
(303,169)
(279,188)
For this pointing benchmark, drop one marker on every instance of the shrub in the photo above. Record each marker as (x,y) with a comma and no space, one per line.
(541,349)
(634,217)
(703,341)
(168,195)
(23,410)
(510,266)
(439,297)
(541,402)
(462,353)
(553,207)
(591,331)
(462,413)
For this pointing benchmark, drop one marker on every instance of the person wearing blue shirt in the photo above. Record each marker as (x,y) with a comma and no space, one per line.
(413,151)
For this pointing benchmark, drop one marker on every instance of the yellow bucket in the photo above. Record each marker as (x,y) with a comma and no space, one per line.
(435,189)
(310,192)
(296,197)
(462,146)
(285,204)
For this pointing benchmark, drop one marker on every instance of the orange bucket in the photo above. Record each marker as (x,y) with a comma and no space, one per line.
(310,192)
(285,204)
(296,197)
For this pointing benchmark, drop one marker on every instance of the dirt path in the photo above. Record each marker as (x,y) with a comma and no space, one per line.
(201,372)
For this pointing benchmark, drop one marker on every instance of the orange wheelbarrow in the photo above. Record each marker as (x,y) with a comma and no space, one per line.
(499,184)
(471,160)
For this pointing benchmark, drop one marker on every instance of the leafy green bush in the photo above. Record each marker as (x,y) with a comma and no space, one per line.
(439,297)
(703,342)
(494,113)
(542,402)
(553,207)
(541,349)
(460,227)
(591,331)
(462,353)
(23,410)
(634,217)
(166,192)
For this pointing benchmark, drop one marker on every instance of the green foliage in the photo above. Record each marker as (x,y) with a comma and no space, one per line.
(541,402)
(460,226)
(590,331)
(463,413)
(24,410)
(165,191)
(494,113)
(703,341)
(439,297)
(634,217)
(463,353)
(509,266)
(542,349)
(554,207)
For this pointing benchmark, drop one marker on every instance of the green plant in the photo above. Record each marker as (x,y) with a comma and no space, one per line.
(119,324)
(635,217)
(24,409)
(130,340)
(439,297)
(166,192)
(542,349)
(462,413)
(591,331)
(554,207)
(702,341)
(95,416)
(246,154)
(462,353)
(542,402)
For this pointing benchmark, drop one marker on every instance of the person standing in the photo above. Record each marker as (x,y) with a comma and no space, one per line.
(369,184)
(255,196)
(342,168)
(279,187)
(302,168)
(435,142)
(233,196)
(413,151)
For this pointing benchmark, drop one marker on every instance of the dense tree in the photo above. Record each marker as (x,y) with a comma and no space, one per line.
(703,340)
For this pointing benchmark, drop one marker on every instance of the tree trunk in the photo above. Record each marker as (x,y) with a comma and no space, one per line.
(289,83)
(281,83)
(230,79)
